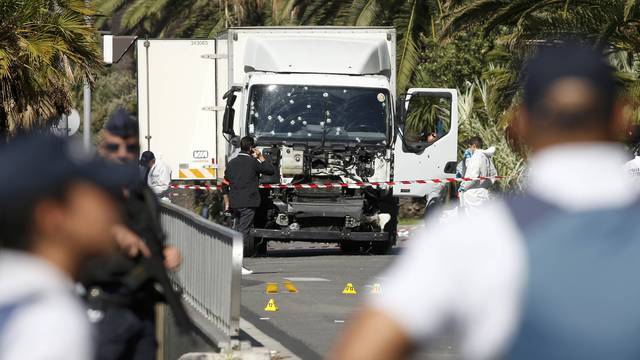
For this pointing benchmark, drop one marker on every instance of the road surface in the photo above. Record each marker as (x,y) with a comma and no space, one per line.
(308,322)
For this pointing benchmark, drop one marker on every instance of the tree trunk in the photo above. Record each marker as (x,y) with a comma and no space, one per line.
(4,125)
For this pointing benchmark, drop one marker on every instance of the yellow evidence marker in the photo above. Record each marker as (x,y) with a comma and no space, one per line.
(272,288)
(377,288)
(271,306)
(290,287)
(349,289)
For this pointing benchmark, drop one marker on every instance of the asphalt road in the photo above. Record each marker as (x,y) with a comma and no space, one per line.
(309,321)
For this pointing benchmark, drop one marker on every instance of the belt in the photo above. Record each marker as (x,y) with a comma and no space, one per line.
(98,299)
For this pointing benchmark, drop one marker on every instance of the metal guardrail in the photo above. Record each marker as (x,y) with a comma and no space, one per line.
(210,274)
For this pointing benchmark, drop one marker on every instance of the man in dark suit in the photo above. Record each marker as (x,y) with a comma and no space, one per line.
(240,186)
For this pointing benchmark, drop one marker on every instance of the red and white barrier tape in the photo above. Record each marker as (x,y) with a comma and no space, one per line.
(355,185)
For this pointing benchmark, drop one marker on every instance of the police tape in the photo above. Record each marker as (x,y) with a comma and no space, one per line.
(353,185)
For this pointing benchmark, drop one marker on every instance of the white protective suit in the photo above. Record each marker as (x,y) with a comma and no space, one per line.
(476,192)
(632,167)
(159,178)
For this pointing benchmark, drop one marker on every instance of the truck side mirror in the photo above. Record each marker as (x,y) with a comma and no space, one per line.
(229,111)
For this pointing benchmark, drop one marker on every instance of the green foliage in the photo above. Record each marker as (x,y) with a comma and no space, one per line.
(452,63)
(114,88)
(45,48)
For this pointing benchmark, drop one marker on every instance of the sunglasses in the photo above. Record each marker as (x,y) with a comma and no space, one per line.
(113,147)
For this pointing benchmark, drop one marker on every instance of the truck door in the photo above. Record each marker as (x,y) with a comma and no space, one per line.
(426,140)
(178,105)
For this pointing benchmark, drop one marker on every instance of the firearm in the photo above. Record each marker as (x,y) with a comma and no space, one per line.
(144,206)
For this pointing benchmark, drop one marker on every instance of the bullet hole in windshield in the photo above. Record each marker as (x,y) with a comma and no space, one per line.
(256,115)
(306,88)
(304,123)
(293,122)
(280,118)
(344,91)
(288,134)
(309,134)
(289,94)
(273,132)
(328,112)
(308,106)
(291,101)
(321,123)
(358,139)
(270,117)
(299,118)
(325,94)
(328,121)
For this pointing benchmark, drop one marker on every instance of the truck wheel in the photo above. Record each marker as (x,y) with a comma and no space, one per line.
(381,247)
(262,247)
(349,247)
(250,248)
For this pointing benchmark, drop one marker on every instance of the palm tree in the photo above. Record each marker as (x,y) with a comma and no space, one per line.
(412,19)
(46,46)
(612,23)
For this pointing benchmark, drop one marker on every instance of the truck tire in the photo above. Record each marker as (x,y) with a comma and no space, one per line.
(250,248)
(350,247)
(261,248)
(382,247)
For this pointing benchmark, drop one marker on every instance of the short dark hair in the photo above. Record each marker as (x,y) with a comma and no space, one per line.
(146,158)
(477,141)
(567,60)
(246,143)
(121,124)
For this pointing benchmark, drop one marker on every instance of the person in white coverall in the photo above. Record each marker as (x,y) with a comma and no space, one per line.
(158,174)
(633,168)
(476,192)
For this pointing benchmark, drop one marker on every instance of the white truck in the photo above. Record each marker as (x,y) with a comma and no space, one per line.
(321,105)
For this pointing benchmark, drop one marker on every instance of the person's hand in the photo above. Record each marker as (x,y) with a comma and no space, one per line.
(172,258)
(226,202)
(256,153)
(129,242)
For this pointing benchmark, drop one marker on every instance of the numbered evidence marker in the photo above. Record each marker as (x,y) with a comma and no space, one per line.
(290,287)
(271,306)
(271,288)
(349,289)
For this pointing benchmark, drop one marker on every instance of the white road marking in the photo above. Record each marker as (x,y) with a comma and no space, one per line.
(265,318)
(267,341)
(303,279)
(338,321)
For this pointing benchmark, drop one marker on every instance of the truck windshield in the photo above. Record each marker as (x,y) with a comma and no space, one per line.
(319,113)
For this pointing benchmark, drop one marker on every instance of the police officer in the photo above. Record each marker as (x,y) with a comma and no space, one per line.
(122,305)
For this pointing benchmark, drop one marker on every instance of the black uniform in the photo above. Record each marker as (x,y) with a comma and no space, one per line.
(122,304)
(241,184)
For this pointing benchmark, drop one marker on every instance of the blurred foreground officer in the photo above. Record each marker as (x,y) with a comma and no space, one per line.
(121,289)
(52,219)
(549,275)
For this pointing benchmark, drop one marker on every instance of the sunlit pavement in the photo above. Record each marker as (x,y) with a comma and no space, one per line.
(308,322)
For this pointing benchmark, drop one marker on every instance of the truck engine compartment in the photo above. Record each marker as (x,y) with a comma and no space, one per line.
(326,213)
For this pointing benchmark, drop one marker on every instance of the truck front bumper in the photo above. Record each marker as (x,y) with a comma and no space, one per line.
(316,236)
